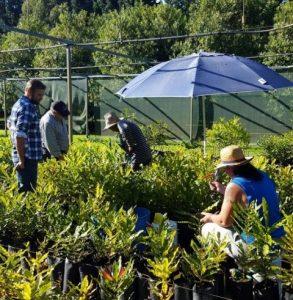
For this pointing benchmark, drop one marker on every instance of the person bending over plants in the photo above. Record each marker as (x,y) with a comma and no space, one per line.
(132,141)
(247,184)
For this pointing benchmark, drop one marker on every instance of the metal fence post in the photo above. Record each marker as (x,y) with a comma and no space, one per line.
(5,106)
(69,91)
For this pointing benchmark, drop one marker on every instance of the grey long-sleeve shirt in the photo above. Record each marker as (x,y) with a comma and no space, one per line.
(54,134)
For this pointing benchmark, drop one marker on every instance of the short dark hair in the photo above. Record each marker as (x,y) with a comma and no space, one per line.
(35,84)
(247,171)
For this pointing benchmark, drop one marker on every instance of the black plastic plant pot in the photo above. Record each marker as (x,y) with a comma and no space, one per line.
(226,266)
(287,295)
(182,292)
(71,275)
(141,287)
(185,235)
(220,284)
(93,274)
(152,296)
(88,270)
(203,292)
(130,294)
(24,263)
(266,290)
(58,271)
(242,290)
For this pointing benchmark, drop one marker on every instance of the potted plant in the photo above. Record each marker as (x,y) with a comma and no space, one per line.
(253,222)
(114,232)
(162,256)
(116,281)
(17,219)
(73,246)
(241,277)
(286,274)
(33,283)
(163,268)
(204,264)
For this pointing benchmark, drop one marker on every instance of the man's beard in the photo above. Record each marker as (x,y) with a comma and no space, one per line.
(34,101)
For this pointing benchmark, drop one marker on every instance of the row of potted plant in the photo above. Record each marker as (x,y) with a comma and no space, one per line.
(163,270)
(76,216)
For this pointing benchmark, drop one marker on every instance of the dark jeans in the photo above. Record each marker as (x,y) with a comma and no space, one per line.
(136,166)
(27,178)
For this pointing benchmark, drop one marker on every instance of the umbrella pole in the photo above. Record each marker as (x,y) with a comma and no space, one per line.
(204,125)
(191,120)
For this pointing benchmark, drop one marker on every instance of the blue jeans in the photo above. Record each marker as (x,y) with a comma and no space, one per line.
(27,178)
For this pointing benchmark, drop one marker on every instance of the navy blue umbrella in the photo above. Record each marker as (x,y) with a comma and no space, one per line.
(202,74)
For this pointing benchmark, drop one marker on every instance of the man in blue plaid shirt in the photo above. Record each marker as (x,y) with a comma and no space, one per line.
(25,135)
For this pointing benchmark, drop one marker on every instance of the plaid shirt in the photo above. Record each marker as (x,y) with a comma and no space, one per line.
(24,122)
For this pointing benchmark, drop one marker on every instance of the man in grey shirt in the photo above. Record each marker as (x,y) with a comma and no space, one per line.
(54,132)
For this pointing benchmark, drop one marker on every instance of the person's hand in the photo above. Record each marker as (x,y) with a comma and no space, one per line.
(217,186)
(19,166)
(207,218)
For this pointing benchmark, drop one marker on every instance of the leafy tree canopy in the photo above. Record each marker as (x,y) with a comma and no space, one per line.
(140,21)
(79,27)
(10,11)
(30,20)
(104,6)
(221,15)
(281,41)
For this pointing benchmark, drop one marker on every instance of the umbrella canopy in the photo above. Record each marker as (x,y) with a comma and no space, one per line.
(203,74)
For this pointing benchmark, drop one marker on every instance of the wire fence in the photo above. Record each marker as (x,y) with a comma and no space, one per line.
(94,95)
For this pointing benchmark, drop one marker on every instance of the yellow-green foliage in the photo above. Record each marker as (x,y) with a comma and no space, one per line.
(227,132)
(116,279)
(287,253)
(204,261)
(82,205)
(33,282)
(278,147)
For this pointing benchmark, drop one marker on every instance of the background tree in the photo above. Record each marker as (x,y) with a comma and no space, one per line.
(79,27)
(181,4)
(32,18)
(140,21)
(281,41)
(222,15)
(10,11)
(104,6)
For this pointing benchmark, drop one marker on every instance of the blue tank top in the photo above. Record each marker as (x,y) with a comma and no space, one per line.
(257,190)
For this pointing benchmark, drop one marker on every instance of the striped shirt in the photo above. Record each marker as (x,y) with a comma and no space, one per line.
(24,122)
(131,136)
(54,134)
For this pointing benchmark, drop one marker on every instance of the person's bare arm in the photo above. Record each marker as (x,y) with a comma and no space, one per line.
(20,148)
(233,193)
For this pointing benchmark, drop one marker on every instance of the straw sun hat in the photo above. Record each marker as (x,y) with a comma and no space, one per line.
(233,156)
(111,119)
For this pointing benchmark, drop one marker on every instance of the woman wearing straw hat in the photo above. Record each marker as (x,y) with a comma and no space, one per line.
(132,141)
(247,184)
